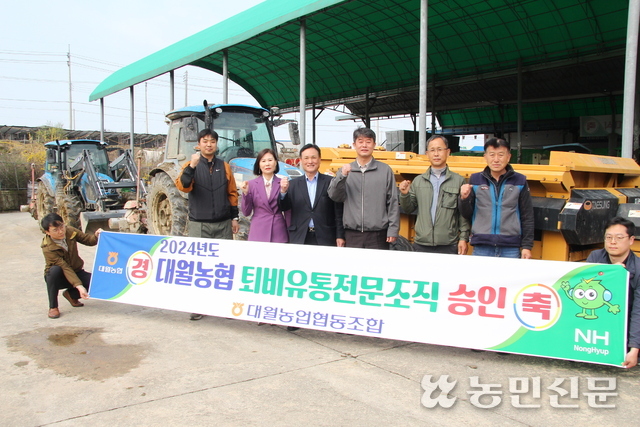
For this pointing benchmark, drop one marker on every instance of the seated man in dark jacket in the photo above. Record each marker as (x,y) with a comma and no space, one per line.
(619,235)
(63,266)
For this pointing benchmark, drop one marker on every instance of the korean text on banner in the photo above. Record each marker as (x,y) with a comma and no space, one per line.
(562,310)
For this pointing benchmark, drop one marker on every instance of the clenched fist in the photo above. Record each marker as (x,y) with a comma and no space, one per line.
(465,190)
(404,186)
(284,184)
(195,159)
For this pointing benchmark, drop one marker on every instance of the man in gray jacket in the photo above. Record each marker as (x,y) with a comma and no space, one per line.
(440,227)
(368,190)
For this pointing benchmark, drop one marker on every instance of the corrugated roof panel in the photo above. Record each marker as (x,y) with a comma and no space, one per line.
(371,46)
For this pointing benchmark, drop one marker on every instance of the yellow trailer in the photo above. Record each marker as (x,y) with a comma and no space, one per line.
(573,196)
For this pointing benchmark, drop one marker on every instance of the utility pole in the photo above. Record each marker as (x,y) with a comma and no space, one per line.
(70,99)
(186,86)
(146,107)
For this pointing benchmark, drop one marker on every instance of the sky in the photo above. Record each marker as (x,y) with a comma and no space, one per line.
(102,37)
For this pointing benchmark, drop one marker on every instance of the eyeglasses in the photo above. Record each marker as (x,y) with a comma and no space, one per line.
(618,238)
(57,229)
(493,155)
(436,150)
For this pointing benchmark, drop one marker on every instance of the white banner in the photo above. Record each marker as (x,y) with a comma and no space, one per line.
(556,309)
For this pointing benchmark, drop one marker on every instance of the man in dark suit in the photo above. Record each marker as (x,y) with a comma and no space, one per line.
(315,218)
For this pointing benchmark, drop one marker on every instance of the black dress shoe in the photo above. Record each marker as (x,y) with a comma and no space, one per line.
(292,328)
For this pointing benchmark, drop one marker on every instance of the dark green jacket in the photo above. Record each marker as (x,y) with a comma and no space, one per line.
(450,226)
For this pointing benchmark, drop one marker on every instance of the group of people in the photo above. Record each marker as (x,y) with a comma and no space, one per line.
(359,207)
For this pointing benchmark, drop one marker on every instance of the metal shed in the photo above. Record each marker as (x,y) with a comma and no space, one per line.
(485,62)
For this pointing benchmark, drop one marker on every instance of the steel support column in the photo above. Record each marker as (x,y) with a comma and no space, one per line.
(131,119)
(225,76)
(367,119)
(172,90)
(433,108)
(631,68)
(102,119)
(303,81)
(422,109)
(519,142)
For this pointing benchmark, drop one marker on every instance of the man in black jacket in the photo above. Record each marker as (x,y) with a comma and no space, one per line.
(315,218)
(619,235)
(213,195)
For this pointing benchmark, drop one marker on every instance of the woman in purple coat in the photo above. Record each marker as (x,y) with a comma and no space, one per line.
(260,196)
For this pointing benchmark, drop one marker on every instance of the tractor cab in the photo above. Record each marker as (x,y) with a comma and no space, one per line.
(60,154)
(243,131)
(82,186)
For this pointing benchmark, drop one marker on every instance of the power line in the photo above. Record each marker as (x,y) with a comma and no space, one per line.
(44,80)
(64,102)
(30,61)
(20,52)
(86,58)
(89,67)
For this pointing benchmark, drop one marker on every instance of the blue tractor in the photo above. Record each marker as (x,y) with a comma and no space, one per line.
(83,186)
(243,132)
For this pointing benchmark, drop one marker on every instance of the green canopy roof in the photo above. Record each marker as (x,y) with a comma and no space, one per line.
(570,49)
(204,49)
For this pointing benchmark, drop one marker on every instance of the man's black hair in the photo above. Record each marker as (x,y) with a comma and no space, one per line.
(496,143)
(365,133)
(307,146)
(207,132)
(442,137)
(618,220)
(52,219)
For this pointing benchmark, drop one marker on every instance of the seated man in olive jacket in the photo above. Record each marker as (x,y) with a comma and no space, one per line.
(63,266)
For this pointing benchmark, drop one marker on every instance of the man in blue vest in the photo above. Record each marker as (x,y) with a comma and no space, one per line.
(497,201)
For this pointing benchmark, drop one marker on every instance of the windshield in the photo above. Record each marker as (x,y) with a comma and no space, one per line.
(99,156)
(241,134)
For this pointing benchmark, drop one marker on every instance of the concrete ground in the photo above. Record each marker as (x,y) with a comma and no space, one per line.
(109,363)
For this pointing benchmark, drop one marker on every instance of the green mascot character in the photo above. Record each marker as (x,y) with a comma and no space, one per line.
(590,295)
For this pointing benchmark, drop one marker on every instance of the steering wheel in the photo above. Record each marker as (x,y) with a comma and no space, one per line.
(220,153)
(245,152)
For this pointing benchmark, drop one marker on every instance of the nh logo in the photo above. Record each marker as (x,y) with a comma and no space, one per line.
(591,337)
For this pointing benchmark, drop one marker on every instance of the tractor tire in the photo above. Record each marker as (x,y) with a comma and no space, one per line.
(244,222)
(69,208)
(45,203)
(167,210)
